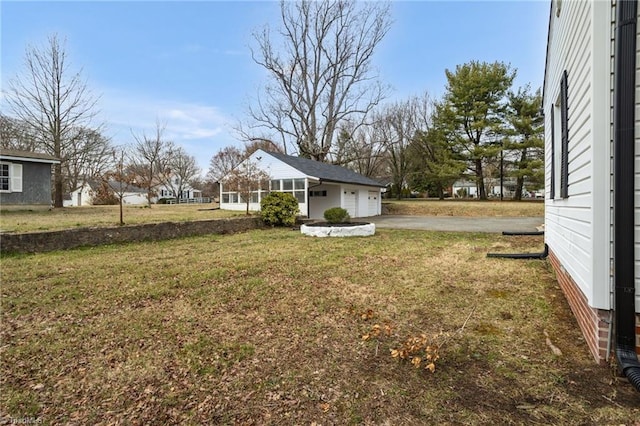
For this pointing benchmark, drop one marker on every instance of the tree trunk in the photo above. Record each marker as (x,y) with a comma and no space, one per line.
(121,218)
(57,186)
(519,184)
(440,193)
(482,192)
(520,180)
(398,190)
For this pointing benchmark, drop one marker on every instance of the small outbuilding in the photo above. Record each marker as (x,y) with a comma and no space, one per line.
(317,186)
(86,193)
(25,179)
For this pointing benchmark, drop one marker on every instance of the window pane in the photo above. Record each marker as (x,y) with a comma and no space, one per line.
(254,197)
(225,198)
(287,184)
(298,183)
(299,196)
(275,185)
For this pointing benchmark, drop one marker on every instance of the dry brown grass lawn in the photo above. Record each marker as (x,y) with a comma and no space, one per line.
(266,327)
(453,207)
(75,217)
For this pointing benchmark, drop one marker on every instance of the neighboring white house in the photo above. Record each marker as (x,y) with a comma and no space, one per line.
(84,195)
(592,228)
(187,193)
(317,186)
(464,189)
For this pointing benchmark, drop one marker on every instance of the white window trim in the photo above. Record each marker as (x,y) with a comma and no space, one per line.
(15,177)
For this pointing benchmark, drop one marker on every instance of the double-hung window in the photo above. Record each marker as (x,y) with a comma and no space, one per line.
(10,177)
(4,177)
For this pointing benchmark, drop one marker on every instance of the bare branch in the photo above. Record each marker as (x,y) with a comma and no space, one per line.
(56,103)
(323,76)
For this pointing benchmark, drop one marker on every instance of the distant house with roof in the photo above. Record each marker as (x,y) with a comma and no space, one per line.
(85,194)
(317,186)
(25,179)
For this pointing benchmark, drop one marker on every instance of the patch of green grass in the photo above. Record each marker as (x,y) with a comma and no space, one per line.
(266,327)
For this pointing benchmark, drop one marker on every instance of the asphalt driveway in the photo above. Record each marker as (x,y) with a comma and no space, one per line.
(462,224)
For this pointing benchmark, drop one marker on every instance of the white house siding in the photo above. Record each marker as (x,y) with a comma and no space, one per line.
(83,195)
(359,201)
(318,204)
(356,200)
(134,198)
(575,227)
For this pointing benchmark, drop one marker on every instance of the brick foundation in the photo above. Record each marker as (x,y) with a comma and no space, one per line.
(593,322)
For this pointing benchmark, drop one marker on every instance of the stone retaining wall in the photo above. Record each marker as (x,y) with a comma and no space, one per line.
(35,242)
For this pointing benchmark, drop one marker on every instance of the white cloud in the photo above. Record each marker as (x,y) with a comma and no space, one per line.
(200,129)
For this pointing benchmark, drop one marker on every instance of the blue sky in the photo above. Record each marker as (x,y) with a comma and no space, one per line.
(188,63)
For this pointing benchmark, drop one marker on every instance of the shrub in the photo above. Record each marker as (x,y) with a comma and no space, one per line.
(279,209)
(336,215)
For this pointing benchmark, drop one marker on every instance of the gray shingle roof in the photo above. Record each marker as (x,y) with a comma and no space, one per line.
(324,171)
(36,156)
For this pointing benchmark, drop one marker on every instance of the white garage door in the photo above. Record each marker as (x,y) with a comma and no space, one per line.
(373,203)
(350,202)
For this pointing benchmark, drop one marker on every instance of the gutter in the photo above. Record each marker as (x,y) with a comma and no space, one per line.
(623,161)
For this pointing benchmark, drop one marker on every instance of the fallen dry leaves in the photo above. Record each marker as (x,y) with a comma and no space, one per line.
(268,327)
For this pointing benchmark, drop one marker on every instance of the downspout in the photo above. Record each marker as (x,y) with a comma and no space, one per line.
(623,234)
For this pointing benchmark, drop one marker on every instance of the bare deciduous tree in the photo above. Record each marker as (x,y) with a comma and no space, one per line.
(54,101)
(396,126)
(180,169)
(92,157)
(246,179)
(223,162)
(361,150)
(151,155)
(323,75)
(16,134)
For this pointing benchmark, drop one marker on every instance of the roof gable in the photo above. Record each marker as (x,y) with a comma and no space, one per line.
(324,171)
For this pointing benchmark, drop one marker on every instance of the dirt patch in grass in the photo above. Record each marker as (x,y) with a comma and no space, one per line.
(464,208)
(267,327)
